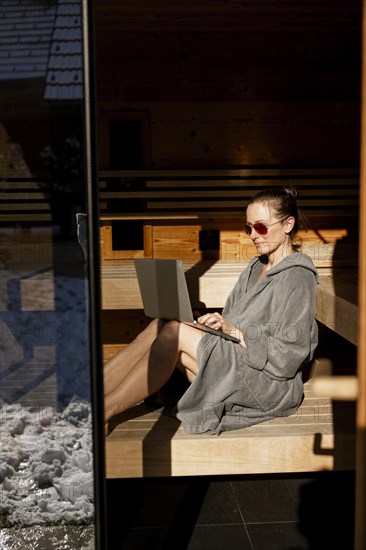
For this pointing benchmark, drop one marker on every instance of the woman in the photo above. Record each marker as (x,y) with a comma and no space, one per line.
(271,310)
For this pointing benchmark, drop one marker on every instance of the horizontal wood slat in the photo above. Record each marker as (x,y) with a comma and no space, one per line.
(326,203)
(24,206)
(224,193)
(232,172)
(226,16)
(21,196)
(331,192)
(208,214)
(24,200)
(253,183)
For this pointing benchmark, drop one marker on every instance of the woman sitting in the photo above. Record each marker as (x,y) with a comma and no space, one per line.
(271,310)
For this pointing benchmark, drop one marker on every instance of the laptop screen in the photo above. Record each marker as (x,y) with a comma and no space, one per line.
(164,289)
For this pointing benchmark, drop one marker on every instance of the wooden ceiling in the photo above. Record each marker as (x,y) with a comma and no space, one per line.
(228,15)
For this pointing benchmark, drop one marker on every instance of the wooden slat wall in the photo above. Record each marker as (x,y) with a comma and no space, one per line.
(233,83)
(24,200)
(177,205)
(22,197)
(180,65)
(215,15)
(217,134)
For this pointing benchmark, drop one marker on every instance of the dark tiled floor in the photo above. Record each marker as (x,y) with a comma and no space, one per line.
(238,513)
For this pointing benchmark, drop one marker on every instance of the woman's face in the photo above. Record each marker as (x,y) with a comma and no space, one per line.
(277,235)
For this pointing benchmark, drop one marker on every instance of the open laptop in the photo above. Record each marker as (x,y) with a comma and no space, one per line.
(164,293)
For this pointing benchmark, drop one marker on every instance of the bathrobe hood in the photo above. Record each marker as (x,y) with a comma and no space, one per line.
(277,314)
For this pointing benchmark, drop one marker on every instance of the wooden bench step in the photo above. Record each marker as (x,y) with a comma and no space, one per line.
(210,284)
(320,436)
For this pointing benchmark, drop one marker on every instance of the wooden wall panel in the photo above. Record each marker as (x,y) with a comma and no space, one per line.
(215,15)
(182,241)
(232,83)
(228,65)
(176,242)
(231,133)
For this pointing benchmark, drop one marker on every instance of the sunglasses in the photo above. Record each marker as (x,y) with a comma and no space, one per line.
(259,227)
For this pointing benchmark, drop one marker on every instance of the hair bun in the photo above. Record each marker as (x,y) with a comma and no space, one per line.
(291,190)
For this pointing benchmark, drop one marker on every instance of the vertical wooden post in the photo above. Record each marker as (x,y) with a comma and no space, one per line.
(148,241)
(360,524)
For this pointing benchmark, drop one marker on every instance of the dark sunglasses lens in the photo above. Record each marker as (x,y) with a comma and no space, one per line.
(260,228)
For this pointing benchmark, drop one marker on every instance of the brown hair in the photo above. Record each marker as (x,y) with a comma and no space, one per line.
(283,200)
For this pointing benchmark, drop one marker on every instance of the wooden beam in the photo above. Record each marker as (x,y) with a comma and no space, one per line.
(276,171)
(360,524)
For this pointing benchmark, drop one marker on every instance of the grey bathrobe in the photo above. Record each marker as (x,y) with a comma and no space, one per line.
(237,386)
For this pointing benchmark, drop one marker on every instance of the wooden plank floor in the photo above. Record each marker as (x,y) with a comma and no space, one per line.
(321,436)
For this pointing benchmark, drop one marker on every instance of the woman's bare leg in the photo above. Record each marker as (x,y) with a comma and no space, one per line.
(154,368)
(119,366)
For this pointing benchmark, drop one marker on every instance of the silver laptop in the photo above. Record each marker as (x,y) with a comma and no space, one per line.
(164,293)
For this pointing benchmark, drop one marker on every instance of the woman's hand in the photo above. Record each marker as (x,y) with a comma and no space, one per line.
(216,320)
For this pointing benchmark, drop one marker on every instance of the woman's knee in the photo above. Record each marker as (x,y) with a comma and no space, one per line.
(170,331)
(155,326)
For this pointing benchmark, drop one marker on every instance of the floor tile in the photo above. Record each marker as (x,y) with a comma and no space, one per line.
(159,503)
(311,512)
(278,536)
(213,537)
(326,512)
(307,498)
(268,500)
(139,539)
(219,507)
(219,537)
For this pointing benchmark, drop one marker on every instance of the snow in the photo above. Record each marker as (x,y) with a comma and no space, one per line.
(48,538)
(46,465)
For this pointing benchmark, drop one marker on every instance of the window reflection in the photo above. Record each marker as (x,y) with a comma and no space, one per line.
(46,472)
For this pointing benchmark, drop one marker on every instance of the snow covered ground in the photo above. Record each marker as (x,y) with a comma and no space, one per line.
(46,478)
(48,538)
(46,465)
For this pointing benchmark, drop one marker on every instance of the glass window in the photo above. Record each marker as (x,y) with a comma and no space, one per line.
(47,304)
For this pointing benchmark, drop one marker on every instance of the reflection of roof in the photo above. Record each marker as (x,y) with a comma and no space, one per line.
(65,75)
(43,40)
(25,32)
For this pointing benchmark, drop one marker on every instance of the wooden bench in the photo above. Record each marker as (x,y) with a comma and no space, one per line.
(320,436)
(210,284)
